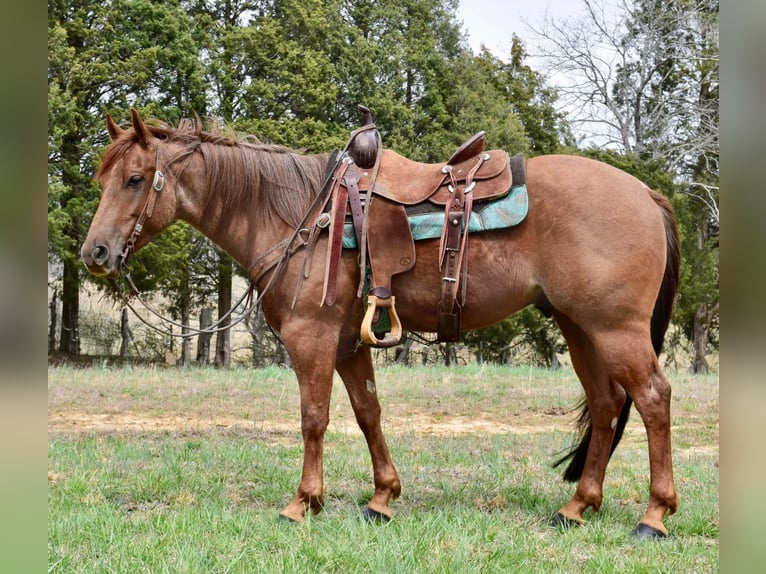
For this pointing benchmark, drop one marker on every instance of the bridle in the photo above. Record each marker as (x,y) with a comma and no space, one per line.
(275,266)
(158,184)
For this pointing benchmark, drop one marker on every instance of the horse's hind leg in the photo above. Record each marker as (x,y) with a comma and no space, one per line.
(358,377)
(631,361)
(605,400)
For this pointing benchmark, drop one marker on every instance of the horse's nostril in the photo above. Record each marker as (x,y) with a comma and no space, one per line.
(100,254)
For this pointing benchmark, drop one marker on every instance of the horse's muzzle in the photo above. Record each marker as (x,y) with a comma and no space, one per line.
(97,260)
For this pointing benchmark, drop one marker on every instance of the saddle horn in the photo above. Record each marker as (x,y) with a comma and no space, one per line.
(363,149)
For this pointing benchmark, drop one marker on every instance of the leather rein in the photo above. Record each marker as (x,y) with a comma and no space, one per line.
(187,331)
(286,248)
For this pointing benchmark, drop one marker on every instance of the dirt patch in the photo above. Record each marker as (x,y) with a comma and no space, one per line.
(81,422)
(422,425)
(418,423)
(138,400)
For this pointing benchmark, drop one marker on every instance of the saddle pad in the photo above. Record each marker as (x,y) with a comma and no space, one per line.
(509,210)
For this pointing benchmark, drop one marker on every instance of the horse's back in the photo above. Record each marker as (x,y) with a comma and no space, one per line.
(587,191)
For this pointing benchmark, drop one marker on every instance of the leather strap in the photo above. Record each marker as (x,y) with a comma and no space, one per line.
(322,221)
(450,276)
(157,185)
(453,253)
(337,219)
(454,204)
(351,181)
(381,292)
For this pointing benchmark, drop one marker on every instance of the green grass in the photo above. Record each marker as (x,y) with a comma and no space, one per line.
(195,464)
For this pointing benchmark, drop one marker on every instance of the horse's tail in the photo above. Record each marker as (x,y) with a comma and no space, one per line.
(663,307)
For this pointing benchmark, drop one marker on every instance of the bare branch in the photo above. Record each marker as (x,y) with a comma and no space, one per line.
(642,78)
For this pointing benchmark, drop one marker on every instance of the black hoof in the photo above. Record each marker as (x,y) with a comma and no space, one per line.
(561,521)
(646,532)
(283,518)
(371,515)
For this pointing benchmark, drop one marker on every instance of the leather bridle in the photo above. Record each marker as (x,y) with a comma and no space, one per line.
(157,186)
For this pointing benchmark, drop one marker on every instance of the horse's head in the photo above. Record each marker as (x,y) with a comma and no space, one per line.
(137,201)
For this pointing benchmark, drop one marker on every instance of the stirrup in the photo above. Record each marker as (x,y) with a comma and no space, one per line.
(394,336)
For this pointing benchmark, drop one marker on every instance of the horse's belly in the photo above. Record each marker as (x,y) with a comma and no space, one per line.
(499,283)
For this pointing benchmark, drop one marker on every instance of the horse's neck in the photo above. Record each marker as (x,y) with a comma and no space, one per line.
(245,236)
(238,237)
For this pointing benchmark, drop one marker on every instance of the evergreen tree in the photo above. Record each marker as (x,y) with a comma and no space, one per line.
(105,54)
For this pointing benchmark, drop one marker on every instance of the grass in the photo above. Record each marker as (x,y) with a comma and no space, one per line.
(185,470)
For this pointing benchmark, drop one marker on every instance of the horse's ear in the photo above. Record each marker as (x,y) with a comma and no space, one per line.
(111,126)
(140,128)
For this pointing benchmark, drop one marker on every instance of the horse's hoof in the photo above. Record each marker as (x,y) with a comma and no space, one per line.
(561,521)
(646,532)
(283,518)
(371,515)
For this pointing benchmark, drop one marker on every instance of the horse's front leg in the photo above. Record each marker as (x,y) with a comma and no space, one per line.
(313,364)
(357,373)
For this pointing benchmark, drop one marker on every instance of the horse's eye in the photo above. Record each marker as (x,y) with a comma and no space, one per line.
(135,181)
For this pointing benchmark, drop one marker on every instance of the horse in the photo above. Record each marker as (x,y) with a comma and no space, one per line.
(598,251)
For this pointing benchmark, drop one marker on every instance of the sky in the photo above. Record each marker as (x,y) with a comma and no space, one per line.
(493,22)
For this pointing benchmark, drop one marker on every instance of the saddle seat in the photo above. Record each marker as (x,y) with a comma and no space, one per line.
(409,182)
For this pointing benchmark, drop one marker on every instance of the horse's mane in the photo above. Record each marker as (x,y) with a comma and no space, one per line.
(263,180)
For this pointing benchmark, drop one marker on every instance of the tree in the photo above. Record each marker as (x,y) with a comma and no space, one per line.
(100,55)
(644,80)
(534,101)
(396,57)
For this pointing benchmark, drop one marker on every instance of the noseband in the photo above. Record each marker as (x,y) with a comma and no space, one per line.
(157,185)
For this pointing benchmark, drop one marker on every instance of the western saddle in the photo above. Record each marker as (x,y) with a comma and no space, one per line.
(375,189)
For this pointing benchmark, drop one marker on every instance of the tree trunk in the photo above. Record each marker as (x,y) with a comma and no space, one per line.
(699,339)
(53,323)
(69,337)
(203,344)
(186,341)
(450,356)
(125,334)
(402,353)
(223,339)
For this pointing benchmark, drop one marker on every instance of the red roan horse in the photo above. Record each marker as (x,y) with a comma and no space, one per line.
(598,250)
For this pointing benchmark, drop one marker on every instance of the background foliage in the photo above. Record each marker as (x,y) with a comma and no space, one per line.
(293,72)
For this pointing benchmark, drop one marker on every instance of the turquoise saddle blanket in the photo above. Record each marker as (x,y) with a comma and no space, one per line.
(507,211)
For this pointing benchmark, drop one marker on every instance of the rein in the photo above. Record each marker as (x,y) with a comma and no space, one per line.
(158,185)
(250,303)
(246,298)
